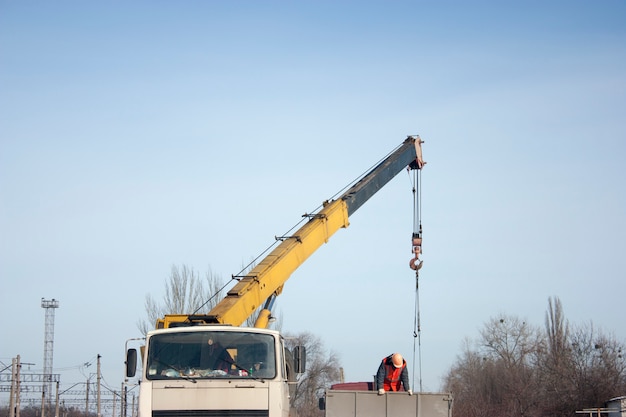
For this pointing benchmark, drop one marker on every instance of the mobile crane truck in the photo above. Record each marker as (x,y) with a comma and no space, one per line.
(209,365)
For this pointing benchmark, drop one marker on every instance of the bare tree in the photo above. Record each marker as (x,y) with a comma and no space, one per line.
(557,330)
(322,371)
(556,379)
(185,293)
(581,367)
(506,375)
(498,377)
(516,370)
(35,411)
(598,366)
(471,384)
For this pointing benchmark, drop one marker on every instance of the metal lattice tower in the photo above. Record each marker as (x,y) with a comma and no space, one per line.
(48,347)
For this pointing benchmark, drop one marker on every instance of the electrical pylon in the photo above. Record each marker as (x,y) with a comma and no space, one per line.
(48,352)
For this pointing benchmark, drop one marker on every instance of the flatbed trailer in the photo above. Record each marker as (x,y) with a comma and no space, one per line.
(367,403)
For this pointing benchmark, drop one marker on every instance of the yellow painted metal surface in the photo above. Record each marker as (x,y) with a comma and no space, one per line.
(271,273)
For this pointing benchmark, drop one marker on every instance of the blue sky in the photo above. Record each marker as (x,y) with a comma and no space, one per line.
(139,135)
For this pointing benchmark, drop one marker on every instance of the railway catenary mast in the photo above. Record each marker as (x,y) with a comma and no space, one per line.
(48,352)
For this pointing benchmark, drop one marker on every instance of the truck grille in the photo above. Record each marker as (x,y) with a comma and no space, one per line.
(210,413)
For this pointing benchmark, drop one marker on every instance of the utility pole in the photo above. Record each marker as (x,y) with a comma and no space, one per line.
(114,403)
(56,407)
(43,400)
(99,414)
(87,399)
(124,400)
(14,379)
(18,387)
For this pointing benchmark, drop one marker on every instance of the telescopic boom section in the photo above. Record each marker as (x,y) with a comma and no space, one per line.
(266,280)
(409,154)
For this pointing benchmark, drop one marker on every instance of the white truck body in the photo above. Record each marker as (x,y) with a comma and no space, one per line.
(174,383)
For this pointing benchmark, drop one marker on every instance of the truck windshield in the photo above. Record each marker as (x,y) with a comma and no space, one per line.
(211,354)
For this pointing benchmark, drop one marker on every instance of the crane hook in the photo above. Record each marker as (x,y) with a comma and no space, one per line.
(415,267)
(417,250)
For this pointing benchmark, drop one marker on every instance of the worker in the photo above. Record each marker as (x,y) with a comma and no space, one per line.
(392,375)
(255,367)
(216,357)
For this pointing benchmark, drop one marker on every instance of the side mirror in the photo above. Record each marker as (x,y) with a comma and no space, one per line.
(321,404)
(299,357)
(131,362)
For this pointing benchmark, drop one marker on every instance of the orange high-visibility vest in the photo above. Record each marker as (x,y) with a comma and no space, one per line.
(392,380)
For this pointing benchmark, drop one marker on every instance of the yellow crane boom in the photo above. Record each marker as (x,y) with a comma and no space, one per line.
(265,281)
